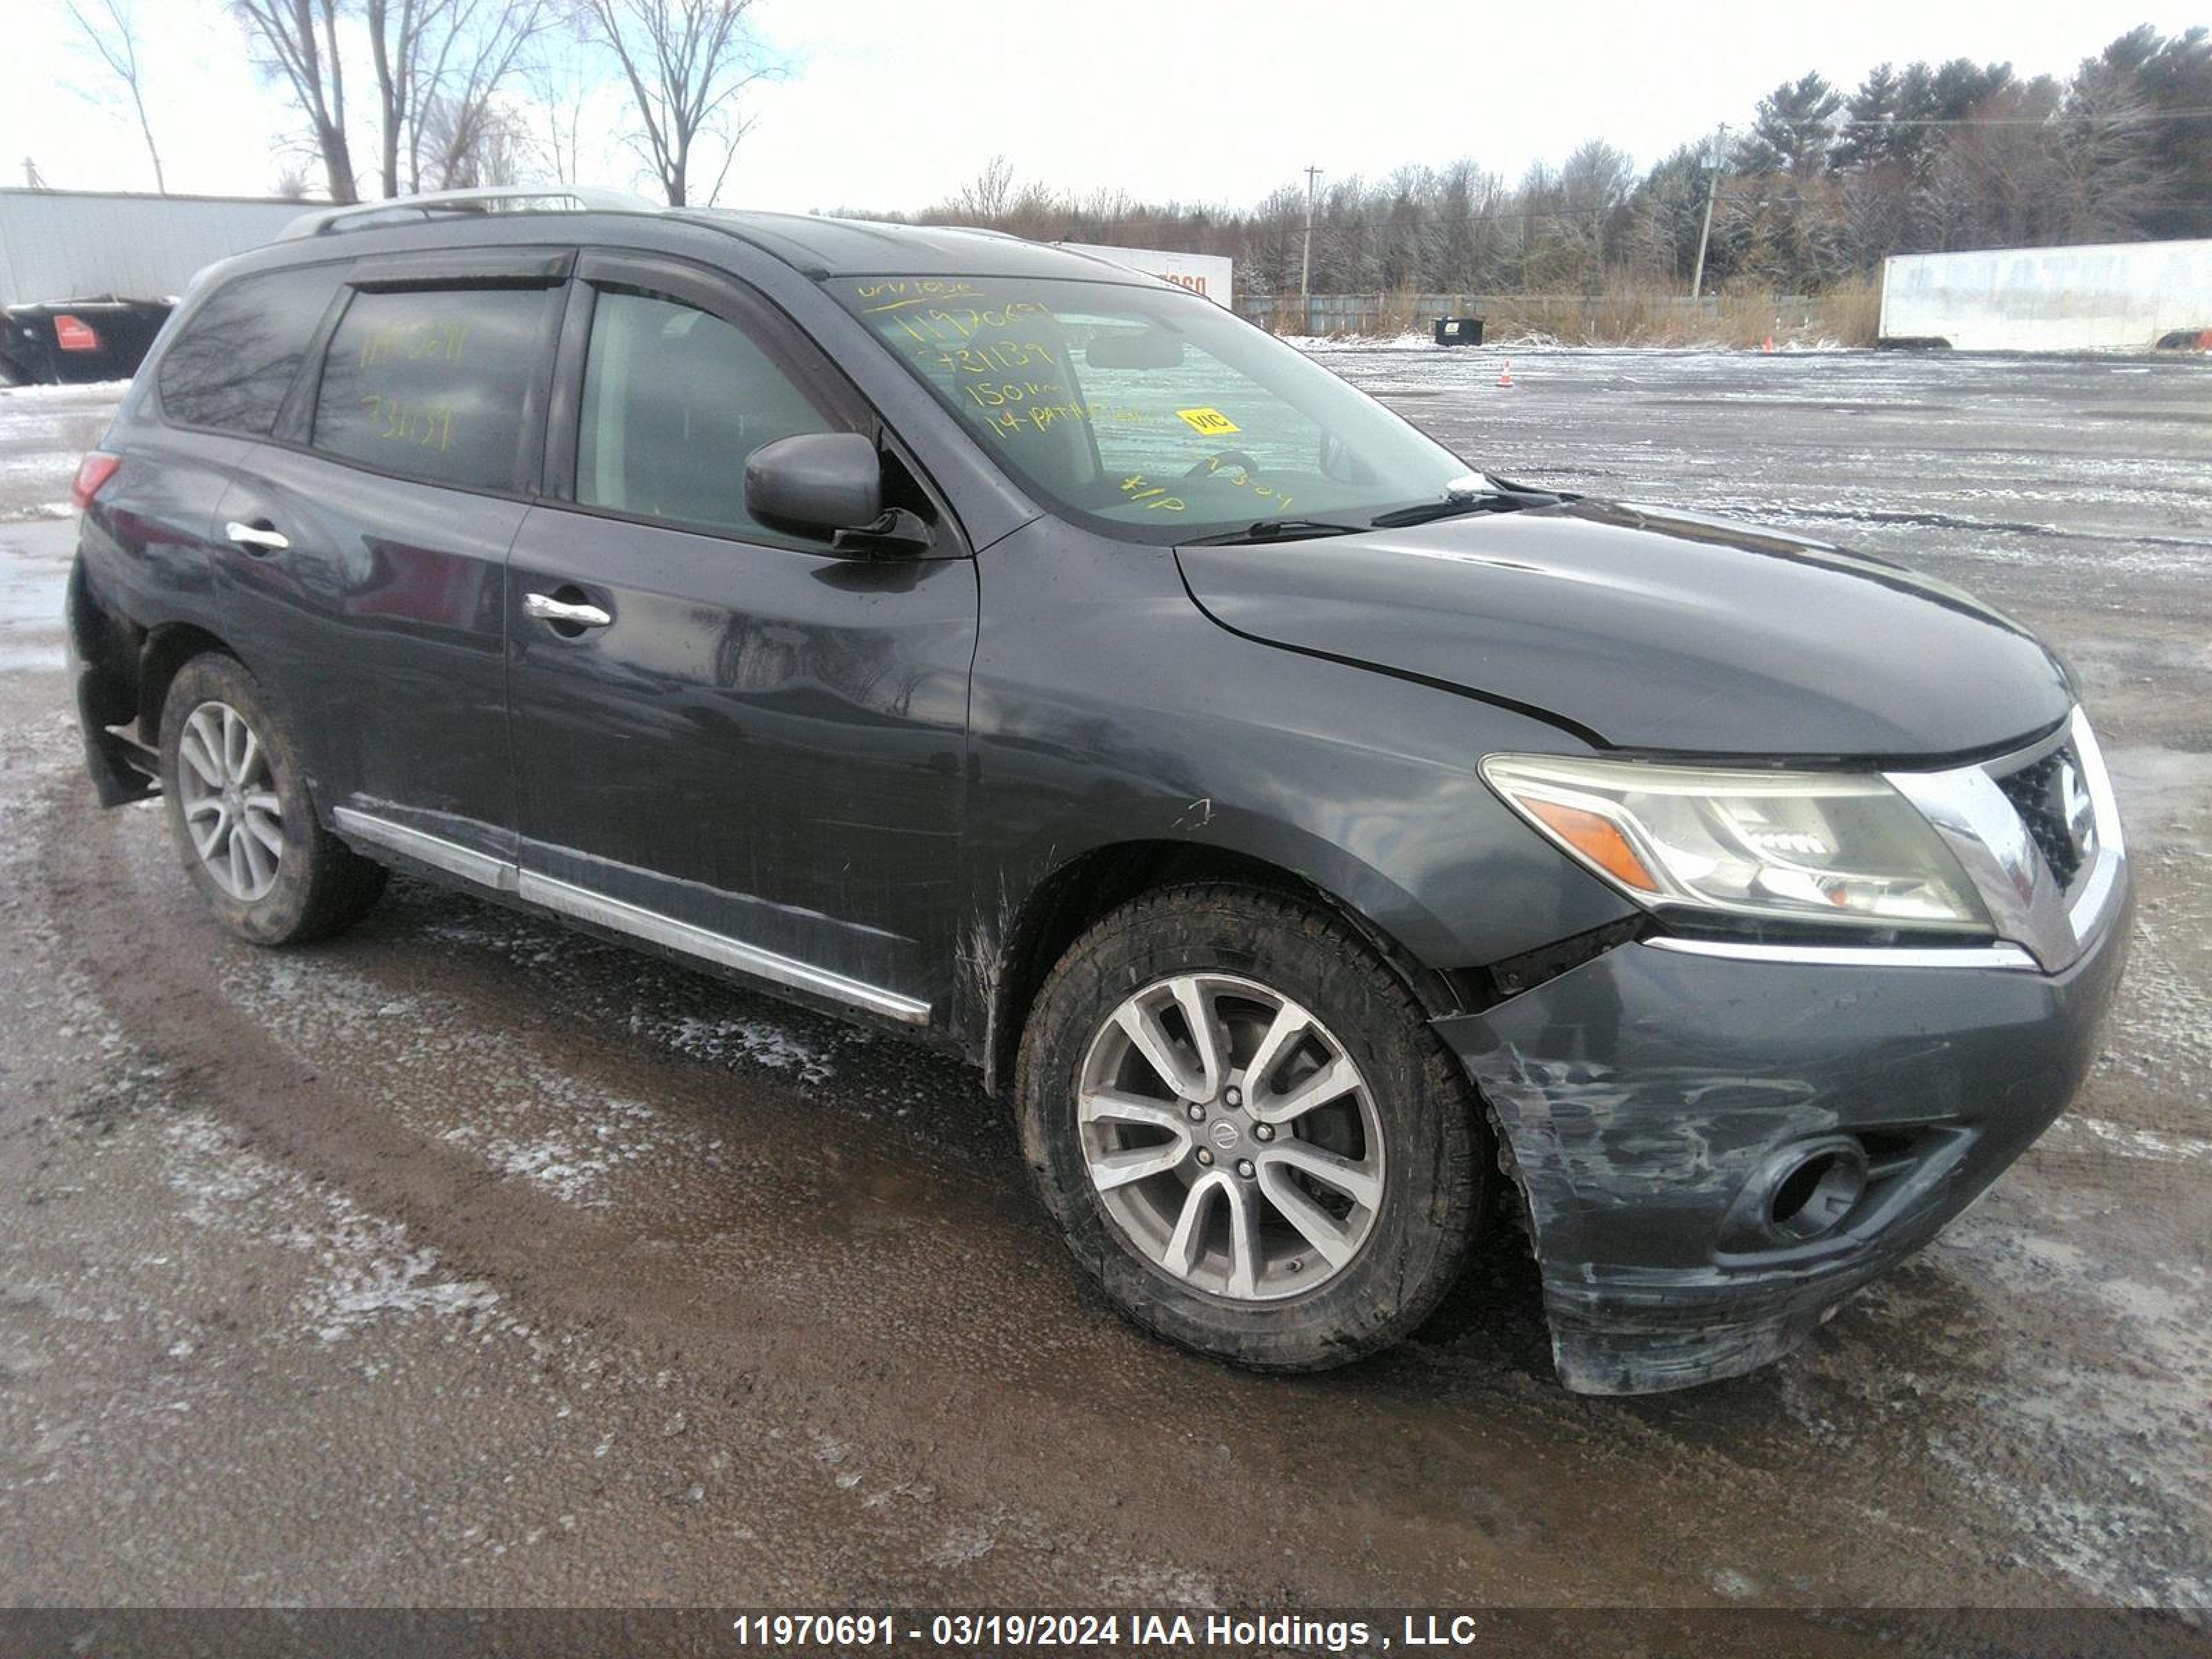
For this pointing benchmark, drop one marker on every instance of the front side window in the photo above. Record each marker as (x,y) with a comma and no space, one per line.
(674,401)
(233,364)
(1149,412)
(435,383)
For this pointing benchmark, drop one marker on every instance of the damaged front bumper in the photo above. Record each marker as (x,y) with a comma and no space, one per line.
(1665,1109)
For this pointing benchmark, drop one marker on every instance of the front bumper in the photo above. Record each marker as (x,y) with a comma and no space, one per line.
(1644,1095)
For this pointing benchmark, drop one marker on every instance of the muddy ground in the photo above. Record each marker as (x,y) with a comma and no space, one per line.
(467,1260)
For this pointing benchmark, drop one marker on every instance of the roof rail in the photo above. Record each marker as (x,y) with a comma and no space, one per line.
(585,198)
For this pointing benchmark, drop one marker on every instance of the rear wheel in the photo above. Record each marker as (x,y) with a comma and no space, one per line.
(1250,1135)
(241,817)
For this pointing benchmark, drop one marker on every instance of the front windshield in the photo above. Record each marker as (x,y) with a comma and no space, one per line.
(1149,412)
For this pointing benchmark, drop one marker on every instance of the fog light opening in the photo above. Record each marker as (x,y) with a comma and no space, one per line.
(1816,1196)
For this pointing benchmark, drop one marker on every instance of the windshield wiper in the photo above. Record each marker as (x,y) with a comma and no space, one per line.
(1276,530)
(1477,493)
(1428,512)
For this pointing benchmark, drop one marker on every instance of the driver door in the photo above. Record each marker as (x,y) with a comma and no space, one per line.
(727,740)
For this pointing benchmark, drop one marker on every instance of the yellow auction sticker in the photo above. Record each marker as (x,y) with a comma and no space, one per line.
(1209,423)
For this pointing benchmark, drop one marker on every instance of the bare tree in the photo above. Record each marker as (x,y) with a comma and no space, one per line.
(983,199)
(450,55)
(2107,177)
(395,46)
(470,144)
(113,35)
(686,62)
(560,83)
(298,40)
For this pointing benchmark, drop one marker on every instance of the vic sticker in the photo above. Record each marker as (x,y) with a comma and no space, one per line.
(1207,423)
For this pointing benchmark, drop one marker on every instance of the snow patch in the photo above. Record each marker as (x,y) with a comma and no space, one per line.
(369,1268)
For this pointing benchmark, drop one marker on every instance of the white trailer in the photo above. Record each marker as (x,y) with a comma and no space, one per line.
(1206,274)
(2123,296)
(68,243)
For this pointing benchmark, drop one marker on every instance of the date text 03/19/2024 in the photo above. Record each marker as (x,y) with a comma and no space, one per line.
(848,1632)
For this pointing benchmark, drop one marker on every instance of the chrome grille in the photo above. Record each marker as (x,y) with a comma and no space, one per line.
(2047,794)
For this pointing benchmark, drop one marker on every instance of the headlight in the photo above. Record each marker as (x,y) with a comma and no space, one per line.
(1795,846)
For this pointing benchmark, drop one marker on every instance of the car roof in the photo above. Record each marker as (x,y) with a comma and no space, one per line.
(823,246)
(814,244)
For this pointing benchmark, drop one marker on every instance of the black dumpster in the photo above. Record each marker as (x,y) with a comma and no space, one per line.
(77,340)
(1459,331)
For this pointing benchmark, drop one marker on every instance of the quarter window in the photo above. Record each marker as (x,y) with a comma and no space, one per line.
(234,361)
(674,401)
(435,384)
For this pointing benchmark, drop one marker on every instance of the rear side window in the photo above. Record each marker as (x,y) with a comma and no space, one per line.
(675,399)
(233,364)
(435,384)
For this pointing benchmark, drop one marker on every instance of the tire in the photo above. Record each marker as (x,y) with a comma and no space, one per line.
(231,775)
(1300,1295)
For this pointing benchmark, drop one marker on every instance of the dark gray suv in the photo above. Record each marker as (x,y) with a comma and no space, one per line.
(1321,841)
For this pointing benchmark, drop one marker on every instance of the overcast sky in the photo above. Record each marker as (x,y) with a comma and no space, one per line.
(895,105)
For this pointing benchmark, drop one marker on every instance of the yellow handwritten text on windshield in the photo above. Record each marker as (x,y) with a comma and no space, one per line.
(1142,491)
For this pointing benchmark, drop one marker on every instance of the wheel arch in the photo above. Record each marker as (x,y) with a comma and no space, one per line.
(1079,891)
(169,647)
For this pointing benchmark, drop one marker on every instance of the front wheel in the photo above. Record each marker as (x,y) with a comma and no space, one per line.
(1249,1134)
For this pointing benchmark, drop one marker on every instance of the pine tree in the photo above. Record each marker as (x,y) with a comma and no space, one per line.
(1792,131)
(1868,137)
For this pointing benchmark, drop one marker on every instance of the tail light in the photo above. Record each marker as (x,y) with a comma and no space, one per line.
(93,473)
(75,334)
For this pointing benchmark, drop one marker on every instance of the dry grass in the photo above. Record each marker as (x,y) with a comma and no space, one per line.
(1850,311)
(1845,314)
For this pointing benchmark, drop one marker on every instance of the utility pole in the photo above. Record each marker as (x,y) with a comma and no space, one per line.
(1706,236)
(1305,259)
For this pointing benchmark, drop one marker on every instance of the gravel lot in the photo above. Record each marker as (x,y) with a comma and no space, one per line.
(464,1260)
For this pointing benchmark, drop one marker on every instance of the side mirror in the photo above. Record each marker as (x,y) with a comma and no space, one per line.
(816,484)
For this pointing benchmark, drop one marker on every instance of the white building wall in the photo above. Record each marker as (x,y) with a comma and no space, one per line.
(2050,299)
(66,245)
(1201,273)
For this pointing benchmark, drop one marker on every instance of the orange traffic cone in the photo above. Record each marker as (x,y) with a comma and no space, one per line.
(1505,374)
(1769,346)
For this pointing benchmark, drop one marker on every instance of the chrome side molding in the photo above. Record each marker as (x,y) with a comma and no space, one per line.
(586,905)
(503,875)
(485,869)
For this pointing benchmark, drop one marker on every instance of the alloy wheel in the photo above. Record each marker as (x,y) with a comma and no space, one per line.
(231,807)
(1230,1137)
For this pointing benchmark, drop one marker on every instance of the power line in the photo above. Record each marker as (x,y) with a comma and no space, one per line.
(1233,227)
(1233,224)
(1241,223)
(2140,118)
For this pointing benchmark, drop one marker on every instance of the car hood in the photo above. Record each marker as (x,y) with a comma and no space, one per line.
(1653,629)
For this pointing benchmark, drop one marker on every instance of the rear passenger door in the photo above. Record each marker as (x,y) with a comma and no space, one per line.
(152,550)
(365,563)
(748,749)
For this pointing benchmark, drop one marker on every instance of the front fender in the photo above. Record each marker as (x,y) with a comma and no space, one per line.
(1106,709)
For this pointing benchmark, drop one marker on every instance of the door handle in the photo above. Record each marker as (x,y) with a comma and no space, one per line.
(546,608)
(256,538)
